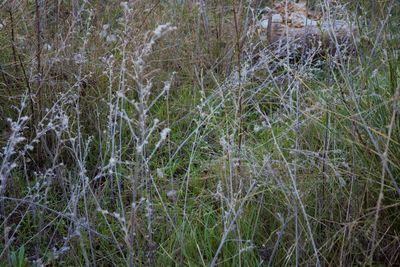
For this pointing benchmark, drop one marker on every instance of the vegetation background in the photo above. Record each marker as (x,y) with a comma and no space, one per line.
(168,133)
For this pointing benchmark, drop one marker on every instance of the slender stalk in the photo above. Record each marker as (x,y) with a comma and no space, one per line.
(237,16)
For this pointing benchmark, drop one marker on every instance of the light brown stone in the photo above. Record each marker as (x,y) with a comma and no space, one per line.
(294,23)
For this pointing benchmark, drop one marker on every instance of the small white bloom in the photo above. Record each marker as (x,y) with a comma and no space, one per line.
(162,29)
(164,133)
(171,194)
(19,139)
(160,173)
(120,94)
(257,128)
(47,46)
(24,118)
(223,143)
(64,122)
(139,149)
(105,27)
(112,161)
(124,5)
(79,58)
(29,147)
(111,38)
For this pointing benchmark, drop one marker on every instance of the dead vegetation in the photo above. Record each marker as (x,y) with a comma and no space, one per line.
(199,133)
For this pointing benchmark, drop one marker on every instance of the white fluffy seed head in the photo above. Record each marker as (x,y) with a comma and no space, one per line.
(164,133)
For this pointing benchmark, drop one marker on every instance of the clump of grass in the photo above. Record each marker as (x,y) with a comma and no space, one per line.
(168,133)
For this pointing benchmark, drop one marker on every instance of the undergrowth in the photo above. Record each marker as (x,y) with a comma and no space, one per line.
(168,133)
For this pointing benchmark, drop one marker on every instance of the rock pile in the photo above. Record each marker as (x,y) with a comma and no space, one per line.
(294,23)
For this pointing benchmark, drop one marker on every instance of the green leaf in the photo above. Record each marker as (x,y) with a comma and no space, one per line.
(13,259)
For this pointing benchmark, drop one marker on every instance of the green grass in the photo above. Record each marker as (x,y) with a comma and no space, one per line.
(351,204)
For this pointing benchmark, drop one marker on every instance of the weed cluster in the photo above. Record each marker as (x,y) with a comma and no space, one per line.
(150,133)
